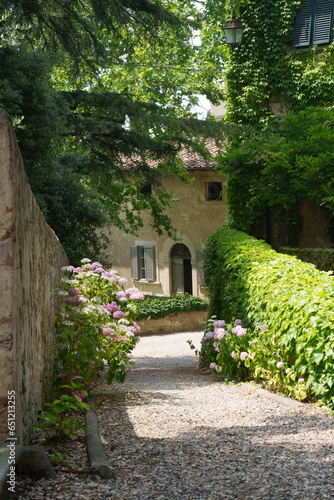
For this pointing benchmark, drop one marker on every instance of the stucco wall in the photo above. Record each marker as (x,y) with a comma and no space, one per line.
(31,257)
(193,217)
(181,322)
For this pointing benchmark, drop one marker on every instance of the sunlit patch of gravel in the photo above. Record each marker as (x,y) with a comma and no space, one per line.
(174,432)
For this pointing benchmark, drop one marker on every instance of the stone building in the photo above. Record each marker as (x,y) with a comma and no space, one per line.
(158,265)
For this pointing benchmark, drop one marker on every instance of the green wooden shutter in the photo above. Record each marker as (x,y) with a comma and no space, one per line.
(150,263)
(134,262)
(322,22)
(303,25)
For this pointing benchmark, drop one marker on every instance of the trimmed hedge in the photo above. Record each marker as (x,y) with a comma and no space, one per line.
(247,279)
(322,258)
(159,307)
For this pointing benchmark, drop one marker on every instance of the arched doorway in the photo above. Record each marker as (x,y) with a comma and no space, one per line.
(181,269)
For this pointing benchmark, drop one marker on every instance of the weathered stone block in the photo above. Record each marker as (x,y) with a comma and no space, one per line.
(33,462)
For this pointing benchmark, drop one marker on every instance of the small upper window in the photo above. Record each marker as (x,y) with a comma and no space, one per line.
(314,23)
(214,191)
(146,189)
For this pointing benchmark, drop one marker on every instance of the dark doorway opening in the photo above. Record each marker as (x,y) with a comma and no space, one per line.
(181,270)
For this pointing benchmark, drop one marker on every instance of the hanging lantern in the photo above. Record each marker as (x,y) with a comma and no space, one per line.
(233,31)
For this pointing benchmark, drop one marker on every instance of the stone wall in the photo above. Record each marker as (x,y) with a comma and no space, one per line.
(31,257)
(180,322)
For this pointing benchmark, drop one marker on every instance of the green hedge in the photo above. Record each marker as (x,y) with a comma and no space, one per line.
(159,307)
(247,279)
(322,258)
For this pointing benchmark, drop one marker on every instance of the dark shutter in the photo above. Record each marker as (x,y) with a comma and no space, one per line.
(150,263)
(134,263)
(303,25)
(199,264)
(322,22)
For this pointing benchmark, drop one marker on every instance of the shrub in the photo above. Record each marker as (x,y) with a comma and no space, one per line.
(247,354)
(322,258)
(295,300)
(95,332)
(159,307)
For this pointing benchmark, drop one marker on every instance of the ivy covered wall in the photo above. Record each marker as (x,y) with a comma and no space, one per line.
(282,98)
(266,68)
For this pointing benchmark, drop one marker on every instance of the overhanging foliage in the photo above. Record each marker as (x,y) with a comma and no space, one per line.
(77,115)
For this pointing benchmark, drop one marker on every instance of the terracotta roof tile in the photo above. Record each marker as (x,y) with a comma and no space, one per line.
(194,161)
(191,159)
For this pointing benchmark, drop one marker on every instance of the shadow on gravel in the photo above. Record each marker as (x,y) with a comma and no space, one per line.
(274,460)
(255,462)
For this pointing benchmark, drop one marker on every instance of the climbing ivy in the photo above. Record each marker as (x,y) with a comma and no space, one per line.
(267,69)
(272,170)
(282,98)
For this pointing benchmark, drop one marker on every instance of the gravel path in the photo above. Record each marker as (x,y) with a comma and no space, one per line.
(174,432)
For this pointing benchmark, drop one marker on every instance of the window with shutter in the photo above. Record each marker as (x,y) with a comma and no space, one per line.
(303,24)
(322,22)
(143,263)
(134,262)
(313,24)
(149,264)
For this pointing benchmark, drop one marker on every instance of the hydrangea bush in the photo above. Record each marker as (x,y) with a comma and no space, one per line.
(245,354)
(95,332)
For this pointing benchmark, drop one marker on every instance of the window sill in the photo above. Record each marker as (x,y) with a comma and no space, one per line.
(147,282)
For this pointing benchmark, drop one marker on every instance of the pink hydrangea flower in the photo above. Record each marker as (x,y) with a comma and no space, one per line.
(220,333)
(107,331)
(137,296)
(137,327)
(300,380)
(73,301)
(219,324)
(212,366)
(239,331)
(130,291)
(131,329)
(123,281)
(121,295)
(243,355)
(96,265)
(79,394)
(280,365)
(88,267)
(118,315)
(215,345)
(68,268)
(234,356)
(111,308)
(74,291)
